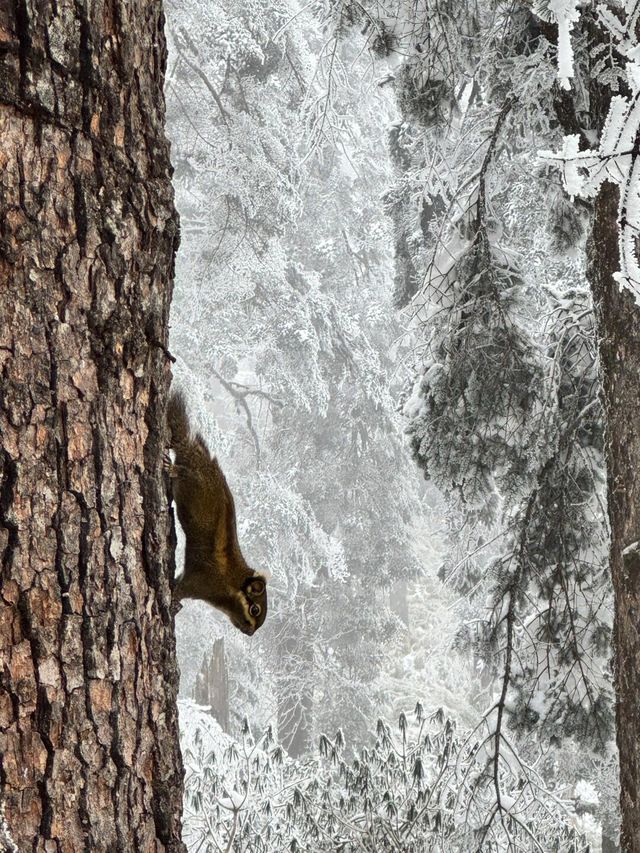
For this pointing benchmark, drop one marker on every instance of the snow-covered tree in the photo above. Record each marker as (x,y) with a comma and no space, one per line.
(501,400)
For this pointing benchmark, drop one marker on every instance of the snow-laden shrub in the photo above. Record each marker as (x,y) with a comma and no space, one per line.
(418,786)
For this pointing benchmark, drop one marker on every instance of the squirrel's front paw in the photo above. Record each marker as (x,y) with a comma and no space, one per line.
(167,464)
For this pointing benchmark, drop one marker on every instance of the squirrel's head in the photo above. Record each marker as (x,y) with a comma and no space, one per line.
(252,604)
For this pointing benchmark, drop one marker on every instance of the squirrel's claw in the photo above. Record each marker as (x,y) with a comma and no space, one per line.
(167,464)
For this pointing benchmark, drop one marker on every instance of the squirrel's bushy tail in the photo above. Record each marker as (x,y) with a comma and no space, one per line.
(177,419)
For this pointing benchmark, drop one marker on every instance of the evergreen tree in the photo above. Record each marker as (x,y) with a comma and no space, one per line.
(502,409)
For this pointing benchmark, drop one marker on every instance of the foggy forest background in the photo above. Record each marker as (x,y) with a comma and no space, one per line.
(383,328)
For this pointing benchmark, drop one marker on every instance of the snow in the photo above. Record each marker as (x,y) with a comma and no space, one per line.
(539,703)
(233,801)
(566,14)
(586,793)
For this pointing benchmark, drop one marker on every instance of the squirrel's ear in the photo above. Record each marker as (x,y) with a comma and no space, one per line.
(256,585)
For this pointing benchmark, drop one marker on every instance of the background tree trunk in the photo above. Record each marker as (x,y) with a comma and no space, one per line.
(88,231)
(618,319)
(609,845)
(212,684)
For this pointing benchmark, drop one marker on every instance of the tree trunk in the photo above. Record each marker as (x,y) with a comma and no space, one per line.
(618,319)
(609,845)
(88,231)
(212,685)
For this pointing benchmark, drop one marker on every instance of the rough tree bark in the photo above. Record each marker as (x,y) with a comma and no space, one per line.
(88,230)
(618,322)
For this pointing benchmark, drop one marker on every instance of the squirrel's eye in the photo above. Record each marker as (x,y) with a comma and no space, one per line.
(254,610)
(256,587)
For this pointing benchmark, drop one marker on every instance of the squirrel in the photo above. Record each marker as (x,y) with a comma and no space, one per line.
(214,569)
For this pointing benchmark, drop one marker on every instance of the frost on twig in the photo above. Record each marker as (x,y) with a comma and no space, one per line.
(563,13)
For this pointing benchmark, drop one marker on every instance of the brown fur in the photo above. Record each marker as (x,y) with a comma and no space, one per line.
(214,568)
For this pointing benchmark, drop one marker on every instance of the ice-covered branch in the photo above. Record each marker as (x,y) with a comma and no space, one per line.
(565,14)
(615,160)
